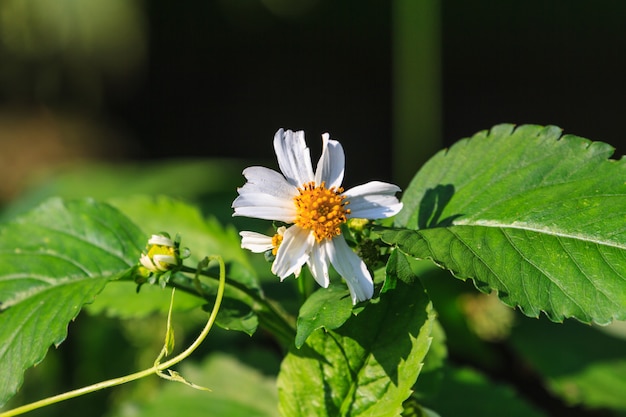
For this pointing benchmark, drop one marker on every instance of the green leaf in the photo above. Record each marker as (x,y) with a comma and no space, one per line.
(53,260)
(537,217)
(432,373)
(398,267)
(366,367)
(235,314)
(326,308)
(448,297)
(121,300)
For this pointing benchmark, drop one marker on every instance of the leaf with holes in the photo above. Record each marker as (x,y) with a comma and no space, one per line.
(53,260)
(537,217)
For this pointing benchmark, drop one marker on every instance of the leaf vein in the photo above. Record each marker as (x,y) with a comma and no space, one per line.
(86,240)
(509,239)
(484,263)
(529,228)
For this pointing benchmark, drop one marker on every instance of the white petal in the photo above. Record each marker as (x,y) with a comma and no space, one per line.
(268,181)
(352,269)
(161,240)
(294,158)
(264,206)
(374,200)
(266,195)
(330,167)
(293,251)
(374,187)
(251,198)
(318,263)
(163,262)
(255,242)
(147,263)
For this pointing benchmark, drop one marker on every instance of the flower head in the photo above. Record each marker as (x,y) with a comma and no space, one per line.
(315,207)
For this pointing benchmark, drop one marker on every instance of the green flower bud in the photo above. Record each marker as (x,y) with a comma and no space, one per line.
(162,254)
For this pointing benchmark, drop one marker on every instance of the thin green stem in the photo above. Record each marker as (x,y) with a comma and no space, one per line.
(271,316)
(156,369)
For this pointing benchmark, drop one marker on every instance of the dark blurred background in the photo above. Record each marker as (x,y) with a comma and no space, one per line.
(393,80)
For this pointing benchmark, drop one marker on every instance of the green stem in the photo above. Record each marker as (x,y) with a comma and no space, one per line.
(156,369)
(271,317)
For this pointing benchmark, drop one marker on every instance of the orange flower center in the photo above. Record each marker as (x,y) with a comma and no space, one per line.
(321,210)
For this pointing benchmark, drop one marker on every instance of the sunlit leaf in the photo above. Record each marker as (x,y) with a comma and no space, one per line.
(366,367)
(53,260)
(326,308)
(537,217)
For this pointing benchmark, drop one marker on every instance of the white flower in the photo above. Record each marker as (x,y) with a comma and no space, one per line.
(315,206)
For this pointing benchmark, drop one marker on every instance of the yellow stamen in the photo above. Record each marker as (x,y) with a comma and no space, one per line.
(277,239)
(161,250)
(321,210)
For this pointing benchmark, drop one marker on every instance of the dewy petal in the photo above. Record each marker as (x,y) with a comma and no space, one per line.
(293,251)
(352,269)
(330,167)
(255,242)
(374,200)
(294,157)
(318,263)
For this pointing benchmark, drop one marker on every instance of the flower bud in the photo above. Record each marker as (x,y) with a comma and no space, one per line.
(162,254)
